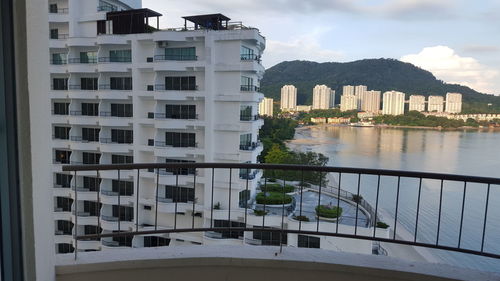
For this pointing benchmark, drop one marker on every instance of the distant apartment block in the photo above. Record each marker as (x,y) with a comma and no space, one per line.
(323,97)
(370,101)
(348,102)
(417,103)
(435,104)
(393,103)
(453,103)
(348,90)
(303,108)
(288,98)
(266,107)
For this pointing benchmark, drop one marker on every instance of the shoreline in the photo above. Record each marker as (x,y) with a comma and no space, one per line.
(303,127)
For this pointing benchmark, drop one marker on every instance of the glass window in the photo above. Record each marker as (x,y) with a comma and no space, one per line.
(229,234)
(125,188)
(58,58)
(246,53)
(90,109)
(123,212)
(64,227)
(88,84)
(91,183)
(63,204)
(91,158)
(61,133)
(270,238)
(245,113)
(177,111)
(62,156)
(120,83)
(63,180)
(60,84)
(90,134)
(121,159)
(61,108)
(154,241)
(305,241)
(180,53)
(121,136)
(246,139)
(179,194)
(121,110)
(184,83)
(88,57)
(53,8)
(54,33)
(91,207)
(120,56)
(180,139)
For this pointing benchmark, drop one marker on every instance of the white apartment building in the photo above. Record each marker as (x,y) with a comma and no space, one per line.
(393,103)
(122,92)
(348,102)
(266,107)
(360,90)
(323,97)
(348,90)
(417,103)
(435,104)
(370,101)
(288,98)
(453,103)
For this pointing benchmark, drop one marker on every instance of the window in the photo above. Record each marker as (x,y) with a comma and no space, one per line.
(61,108)
(90,134)
(91,158)
(125,188)
(229,234)
(91,229)
(122,159)
(90,109)
(179,194)
(121,136)
(177,111)
(107,7)
(63,204)
(58,59)
(63,180)
(246,53)
(305,241)
(120,56)
(246,81)
(244,197)
(61,133)
(53,8)
(88,84)
(154,241)
(120,83)
(180,139)
(180,53)
(246,140)
(270,238)
(60,84)
(121,110)
(245,113)
(88,57)
(91,183)
(91,207)
(64,248)
(184,83)
(123,212)
(64,227)
(54,33)
(180,171)
(62,156)
(124,241)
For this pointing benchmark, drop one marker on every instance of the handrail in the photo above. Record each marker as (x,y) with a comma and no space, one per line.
(287,167)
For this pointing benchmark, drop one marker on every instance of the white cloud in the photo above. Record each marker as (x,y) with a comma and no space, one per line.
(448,66)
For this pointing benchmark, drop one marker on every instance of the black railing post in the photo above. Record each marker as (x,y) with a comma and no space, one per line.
(137,202)
(396,212)
(75,234)
(194,197)
(282,216)
(176,197)
(376,207)
(485,216)
(439,213)
(418,209)
(338,204)
(246,199)
(98,206)
(300,208)
(156,197)
(358,198)
(229,203)
(319,201)
(212,201)
(119,202)
(462,216)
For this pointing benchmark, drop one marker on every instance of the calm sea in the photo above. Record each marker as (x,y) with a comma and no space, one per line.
(474,153)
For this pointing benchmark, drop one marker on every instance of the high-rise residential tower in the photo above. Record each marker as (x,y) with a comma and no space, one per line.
(348,90)
(266,107)
(348,102)
(288,98)
(417,103)
(453,103)
(323,97)
(435,104)
(370,101)
(393,103)
(122,92)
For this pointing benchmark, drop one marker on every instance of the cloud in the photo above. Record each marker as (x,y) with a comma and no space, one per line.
(303,47)
(448,66)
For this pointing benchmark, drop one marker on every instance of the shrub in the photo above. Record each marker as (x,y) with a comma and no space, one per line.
(328,211)
(301,218)
(381,224)
(276,187)
(273,198)
(260,212)
(357,198)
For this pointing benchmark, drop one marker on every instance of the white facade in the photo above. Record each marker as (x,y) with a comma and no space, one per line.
(323,97)
(417,103)
(371,101)
(453,103)
(435,104)
(288,98)
(128,98)
(393,103)
(348,90)
(303,108)
(266,107)
(348,102)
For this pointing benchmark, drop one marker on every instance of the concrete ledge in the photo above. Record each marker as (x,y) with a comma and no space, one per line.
(250,263)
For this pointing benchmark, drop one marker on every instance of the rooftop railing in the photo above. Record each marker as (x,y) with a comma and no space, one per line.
(365,203)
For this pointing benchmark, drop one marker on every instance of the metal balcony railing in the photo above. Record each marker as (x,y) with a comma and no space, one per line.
(58,11)
(161,87)
(108,87)
(249,88)
(59,36)
(394,185)
(115,59)
(250,57)
(249,117)
(250,146)
(175,57)
(82,61)
(58,62)
(164,116)
(164,144)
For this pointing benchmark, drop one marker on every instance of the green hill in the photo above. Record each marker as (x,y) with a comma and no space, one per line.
(377,74)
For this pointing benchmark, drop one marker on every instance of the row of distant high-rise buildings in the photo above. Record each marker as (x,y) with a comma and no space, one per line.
(361,99)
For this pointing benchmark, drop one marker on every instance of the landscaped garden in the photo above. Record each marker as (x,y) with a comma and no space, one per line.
(328,211)
(273,198)
(276,187)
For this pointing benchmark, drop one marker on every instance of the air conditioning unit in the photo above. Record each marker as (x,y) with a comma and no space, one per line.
(162,44)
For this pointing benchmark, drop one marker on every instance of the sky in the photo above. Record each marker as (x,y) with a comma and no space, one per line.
(457,40)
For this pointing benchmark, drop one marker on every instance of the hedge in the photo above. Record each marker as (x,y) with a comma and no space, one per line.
(328,211)
(276,187)
(273,198)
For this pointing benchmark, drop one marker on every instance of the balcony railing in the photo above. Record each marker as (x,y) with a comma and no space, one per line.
(249,117)
(164,116)
(59,36)
(161,87)
(114,141)
(58,11)
(250,146)
(58,62)
(164,144)
(108,87)
(250,57)
(115,59)
(249,88)
(372,189)
(175,57)
(82,61)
